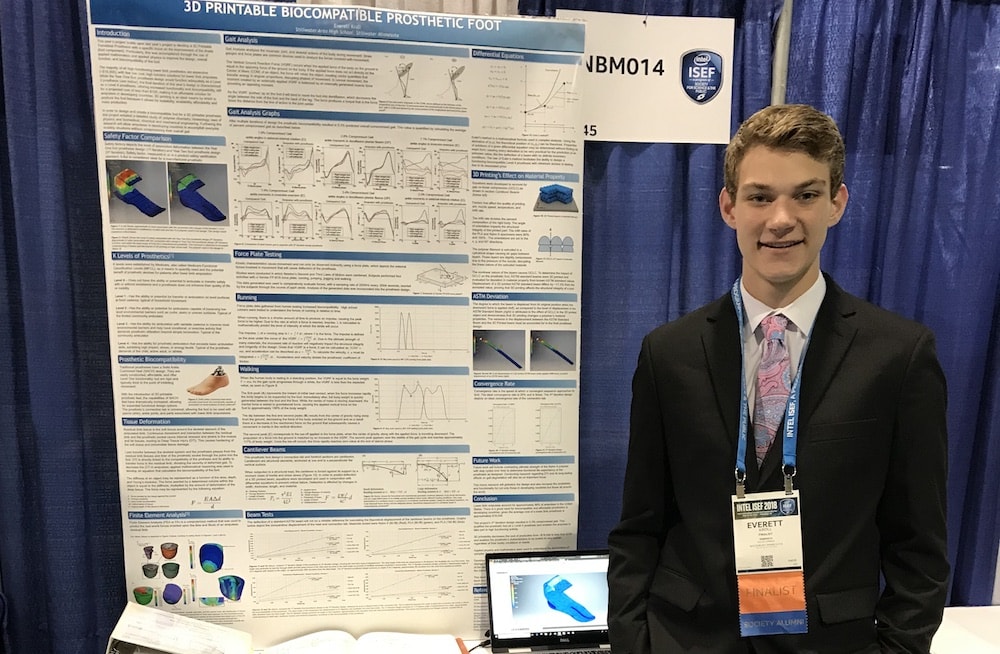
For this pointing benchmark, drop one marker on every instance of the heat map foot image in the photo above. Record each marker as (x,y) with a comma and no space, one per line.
(126,191)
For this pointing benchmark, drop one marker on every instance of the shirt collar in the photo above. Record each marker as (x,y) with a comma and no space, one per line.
(801,312)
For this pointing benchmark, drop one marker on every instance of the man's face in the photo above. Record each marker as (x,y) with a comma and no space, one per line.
(781,212)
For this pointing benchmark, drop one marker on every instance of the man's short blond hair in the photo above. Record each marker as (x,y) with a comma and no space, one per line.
(790,128)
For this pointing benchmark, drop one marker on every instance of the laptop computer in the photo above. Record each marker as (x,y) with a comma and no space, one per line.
(548,601)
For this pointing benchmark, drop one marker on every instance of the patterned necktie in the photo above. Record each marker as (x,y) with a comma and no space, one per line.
(774,382)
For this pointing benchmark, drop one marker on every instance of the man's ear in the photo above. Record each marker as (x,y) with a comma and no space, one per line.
(726,206)
(839,205)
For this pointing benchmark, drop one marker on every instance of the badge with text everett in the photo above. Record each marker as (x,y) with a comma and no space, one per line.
(701,75)
(767,537)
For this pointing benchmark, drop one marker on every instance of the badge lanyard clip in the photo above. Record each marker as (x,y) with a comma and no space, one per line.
(789,473)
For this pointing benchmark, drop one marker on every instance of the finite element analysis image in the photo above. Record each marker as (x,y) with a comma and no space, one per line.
(213,382)
(211,557)
(553,349)
(197,191)
(498,349)
(555,595)
(126,191)
(231,587)
(138,191)
(187,191)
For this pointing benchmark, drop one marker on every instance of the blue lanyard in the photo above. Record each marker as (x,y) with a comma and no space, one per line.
(791,432)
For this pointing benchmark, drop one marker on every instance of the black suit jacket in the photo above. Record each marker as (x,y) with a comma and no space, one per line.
(872,467)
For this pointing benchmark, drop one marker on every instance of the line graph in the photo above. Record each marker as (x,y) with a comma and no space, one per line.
(334,221)
(418,169)
(452,225)
(453,170)
(380,167)
(397,542)
(299,588)
(415,225)
(419,328)
(298,546)
(255,220)
(548,97)
(377,223)
(295,159)
(503,424)
(422,399)
(409,583)
(338,166)
(296,220)
(549,424)
(252,163)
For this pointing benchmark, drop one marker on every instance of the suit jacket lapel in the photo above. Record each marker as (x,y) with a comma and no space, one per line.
(829,342)
(721,342)
(828,345)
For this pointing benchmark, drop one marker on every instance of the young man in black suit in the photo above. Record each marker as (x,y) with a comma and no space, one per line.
(865,453)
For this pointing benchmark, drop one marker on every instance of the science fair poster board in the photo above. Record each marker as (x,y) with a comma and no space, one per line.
(342,248)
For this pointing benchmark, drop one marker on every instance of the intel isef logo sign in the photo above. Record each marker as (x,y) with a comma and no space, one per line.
(701,75)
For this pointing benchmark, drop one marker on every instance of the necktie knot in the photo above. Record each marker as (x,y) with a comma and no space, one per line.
(774,326)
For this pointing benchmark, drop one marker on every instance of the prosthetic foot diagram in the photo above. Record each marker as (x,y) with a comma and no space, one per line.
(218,379)
(555,594)
(126,191)
(187,192)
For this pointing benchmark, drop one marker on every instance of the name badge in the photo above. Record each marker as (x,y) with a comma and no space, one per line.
(767,539)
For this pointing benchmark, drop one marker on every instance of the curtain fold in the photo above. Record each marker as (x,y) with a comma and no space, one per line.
(60,531)
(917,92)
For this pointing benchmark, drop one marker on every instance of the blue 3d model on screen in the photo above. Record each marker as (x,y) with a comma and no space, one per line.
(555,594)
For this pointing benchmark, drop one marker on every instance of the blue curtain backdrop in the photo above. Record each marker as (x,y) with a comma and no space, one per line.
(60,525)
(917,92)
(915,89)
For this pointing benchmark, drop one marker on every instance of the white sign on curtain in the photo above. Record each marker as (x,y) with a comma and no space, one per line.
(654,79)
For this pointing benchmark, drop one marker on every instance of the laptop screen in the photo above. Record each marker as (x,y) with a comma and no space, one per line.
(548,599)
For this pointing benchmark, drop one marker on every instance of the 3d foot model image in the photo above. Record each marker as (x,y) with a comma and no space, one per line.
(555,594)
(218,379)
(187,191)
(126,191)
